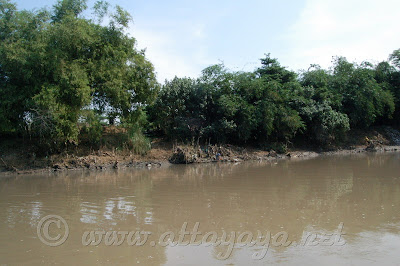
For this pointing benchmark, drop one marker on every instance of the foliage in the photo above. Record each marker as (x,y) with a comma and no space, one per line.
(62,73)
(390,77)
(364,100)
(92,129)
(395,58)
(137,141)
(54,64)
(274,105)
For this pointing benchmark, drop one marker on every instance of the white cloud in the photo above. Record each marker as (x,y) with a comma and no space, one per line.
(359,30)
(174,52)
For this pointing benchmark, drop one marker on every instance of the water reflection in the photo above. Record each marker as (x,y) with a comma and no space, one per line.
(313,195)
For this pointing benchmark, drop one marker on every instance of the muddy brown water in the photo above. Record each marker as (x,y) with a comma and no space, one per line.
(299,198)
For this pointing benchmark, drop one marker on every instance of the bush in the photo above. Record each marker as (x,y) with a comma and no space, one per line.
(137,141)
(92,130)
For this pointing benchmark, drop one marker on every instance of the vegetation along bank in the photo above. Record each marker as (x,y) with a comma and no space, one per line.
(74,86)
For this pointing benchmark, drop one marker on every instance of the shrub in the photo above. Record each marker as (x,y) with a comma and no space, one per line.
(137,141)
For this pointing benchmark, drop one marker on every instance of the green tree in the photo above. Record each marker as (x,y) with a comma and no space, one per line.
(364,100)
(278,88)
(391,75)
(395,58)
(176,104)
(55,64)
(319,107)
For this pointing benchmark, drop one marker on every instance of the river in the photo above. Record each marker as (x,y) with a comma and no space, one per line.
(329,210)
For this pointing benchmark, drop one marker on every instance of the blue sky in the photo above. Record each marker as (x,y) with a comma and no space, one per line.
(183,37)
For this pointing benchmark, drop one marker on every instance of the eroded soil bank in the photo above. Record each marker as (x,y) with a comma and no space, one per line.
(16,157)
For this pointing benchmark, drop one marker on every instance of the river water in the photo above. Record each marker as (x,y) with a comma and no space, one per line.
(335,210)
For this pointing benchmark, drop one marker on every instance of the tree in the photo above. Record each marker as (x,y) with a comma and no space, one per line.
(59,63)
(272,70)
(395,58)
(175,109)
(278,87)
(364,99)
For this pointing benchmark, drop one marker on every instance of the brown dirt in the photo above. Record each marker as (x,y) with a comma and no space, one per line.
(16,156)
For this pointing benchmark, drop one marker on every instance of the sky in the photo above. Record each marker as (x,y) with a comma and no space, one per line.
(182,37)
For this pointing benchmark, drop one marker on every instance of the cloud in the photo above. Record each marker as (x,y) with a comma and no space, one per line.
(174,52)
(359,30)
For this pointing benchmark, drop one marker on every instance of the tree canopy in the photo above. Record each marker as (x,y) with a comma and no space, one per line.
(56,64)
(60,69)
(275,105)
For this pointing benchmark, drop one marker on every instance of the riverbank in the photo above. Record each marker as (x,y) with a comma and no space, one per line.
(18,158)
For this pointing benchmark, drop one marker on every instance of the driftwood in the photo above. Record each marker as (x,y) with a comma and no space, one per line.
(192,154)
(9,167)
